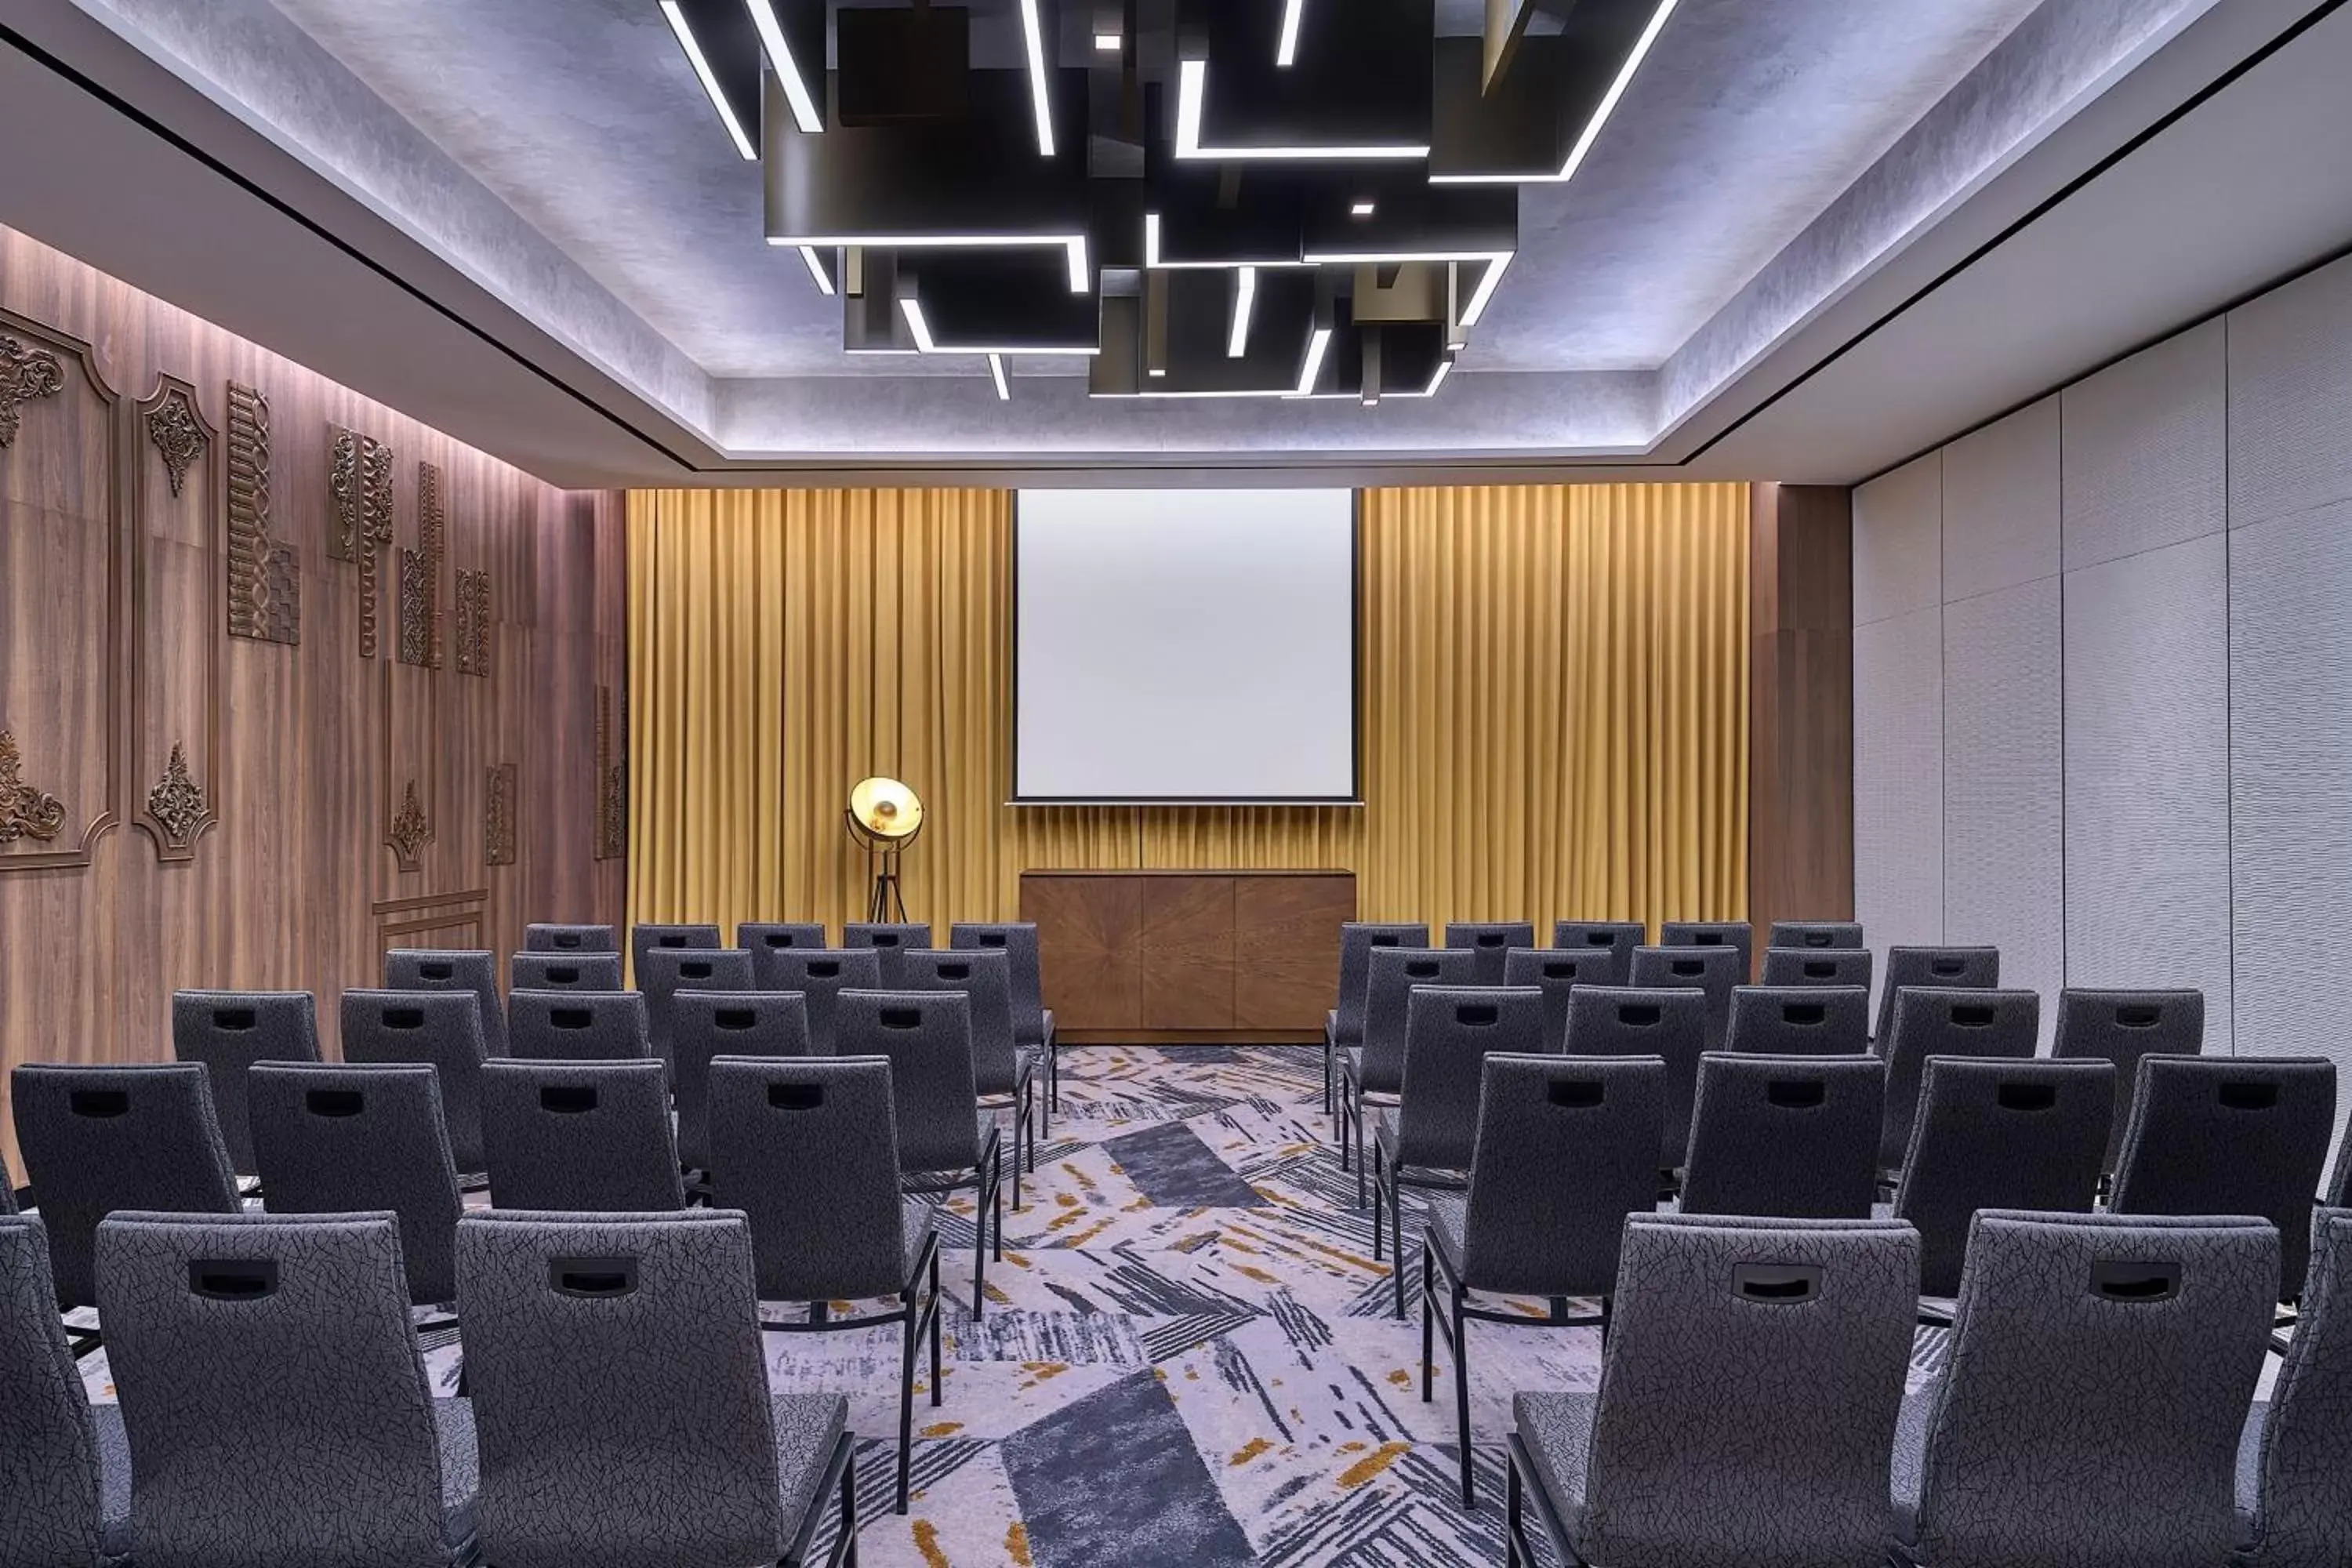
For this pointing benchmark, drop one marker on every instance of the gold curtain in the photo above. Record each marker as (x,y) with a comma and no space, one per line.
(1554,724)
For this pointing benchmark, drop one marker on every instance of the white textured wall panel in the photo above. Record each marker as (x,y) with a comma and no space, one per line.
(2001,504)
(2004,811)
(2148,777)
(1898,523)
(2291,398)
(2145,459)
(2291,783)
(1898,781)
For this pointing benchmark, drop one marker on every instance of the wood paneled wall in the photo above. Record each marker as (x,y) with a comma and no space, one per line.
(206,782)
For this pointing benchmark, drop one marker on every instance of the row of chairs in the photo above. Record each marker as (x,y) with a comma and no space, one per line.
(274,1411)
(2097,1409)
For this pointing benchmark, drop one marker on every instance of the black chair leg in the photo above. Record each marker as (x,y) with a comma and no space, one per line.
(906,1399)
(1462,1392)
(935,1326)
(846,1552)
(1514,1518)
(1396,1230)
(1428,1328)
(996,1207)
(1379,1231)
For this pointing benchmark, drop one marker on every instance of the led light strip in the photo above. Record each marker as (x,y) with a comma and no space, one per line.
(1315,348)
(1081,277)
(1601,113)
(920,325)
(1244,305)
(701,65)
(1287,50)
(817,271)
(1032,39)
(1192,88)
(1496,261)
(996,374)
(788,71)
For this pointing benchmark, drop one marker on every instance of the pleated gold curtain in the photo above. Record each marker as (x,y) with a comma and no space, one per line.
(1555,724)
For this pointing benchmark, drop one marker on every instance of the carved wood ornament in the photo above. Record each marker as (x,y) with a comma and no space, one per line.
(410,831)
(25,373)
(358,490)
(265,575)
(611,783)
(178,434)
(420,577)
(178,805)
(473,623)
(498,816)
(25,812)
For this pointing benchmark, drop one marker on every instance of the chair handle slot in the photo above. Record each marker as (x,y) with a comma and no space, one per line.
(824,969)
(233,1279)
(1493,939)
(2025,1096)
(338,1103)
(1816,939)
(563,975)
(1819,969)
(955,972)
(1576,1093)
(992,938)
(1687,966)
(592,1279)
(694,969)
(567,939)
(1478,1016)
(1558,971)
(734,1018)
(1640,1015)
(1971,1015)
(902,1017)
(1945,966)
(1708,939)
(436,970)
(776,938)
(1795,1093)
(796,1096)
(1804,1015)
(570,1017)
(235,1019)
(1777,1284)
(2243,1096)
(1422,969)
(669,939)
(1599,938)
(2138,1016)
(567,1098)
(882,939)
(2119,1279)
(99,1104)
(1385,939)
(404,1017)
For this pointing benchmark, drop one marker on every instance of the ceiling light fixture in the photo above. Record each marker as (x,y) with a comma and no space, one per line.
(1244,304)
(1313,370)
(996,374)
(817,271)
(1496,261)
(1032,39)
(1081,277)
(920,326)
(1107,42)
(1192,88)
(788,71)
(695,58)
(1435,381)
(1287,50)
(1592,132)
(1361,209)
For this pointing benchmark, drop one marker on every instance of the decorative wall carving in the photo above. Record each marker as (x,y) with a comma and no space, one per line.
(358,490)
(265,574)
(25,373)
(411,831)
(473,623)
(498,816)
(175,688)
(420,577)
(343,492)
(178,808)
(179,433)
(611,783)
(25,812)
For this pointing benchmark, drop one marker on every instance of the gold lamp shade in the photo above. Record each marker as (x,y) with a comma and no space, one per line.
(884,810)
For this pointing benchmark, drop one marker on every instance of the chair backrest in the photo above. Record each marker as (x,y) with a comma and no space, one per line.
(1737,935)
(1800,1020)
(2121,1027)
(647,938)
(98,1140)
(48,1440)
(1491,940)
(276,1407)
(578,1025)
(1717,970)
(1793,1137)
(1017,939)
(2100,1370)
(1950,968)
(756,937)
(1933,1021)
(666,972)
(1555,972)
(987,979)
(542,936)
(1567,1147)
(704,1025)
(1993,1134)
(1618,939)
(2303,1517)
(227,1032)
(808,1148)
(564,971)
(1668,1023)
(1817,966)
(821,975)
(888,938)
(1750,1362)
(1815,935)
(423,969)
(588,1137)
(926,1037)
(1358,939)
(2231,1135)
(346,1140)
(1389,976)
(1449,1031)
(443,1029)
(593,1336)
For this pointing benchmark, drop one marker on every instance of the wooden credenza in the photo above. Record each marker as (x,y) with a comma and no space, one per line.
(1209,957)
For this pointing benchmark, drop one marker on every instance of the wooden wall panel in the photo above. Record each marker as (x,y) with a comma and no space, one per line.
(116,599)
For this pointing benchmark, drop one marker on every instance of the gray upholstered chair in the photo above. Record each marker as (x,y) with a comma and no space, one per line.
(443,1029)
(1491,940)
(1618,939)
(706,1025)
(336,1139)
(1567,1149)
(96,1140)
(756,937)
(888,938)
(564,971)
(1800,1020)
(581,1137)
(1373,1071)
(2245,1135)
(2121,1027)
(946,1143)
(1748,1400)
(228,1031)
(578,1025)
(1556,972)
(1995,1134)
(1737,935)
(1005,1074)
(1668,1023)
(2339,1186)
(2100,1370)
(1718,971)
(807,1149)
(65,1473)
(1841,936)
(1817,966)
(1032,1021)
(649,938)
(1784,1137)
(1938,1021)
(1426,1139)
(277,1413)
(1945,968)
(622,1399)
(453,969)
(543,936)
(666,972)
(1343,1025)
(821,974)
(2295,1464)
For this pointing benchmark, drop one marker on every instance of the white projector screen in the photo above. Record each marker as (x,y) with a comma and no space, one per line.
(1184,645)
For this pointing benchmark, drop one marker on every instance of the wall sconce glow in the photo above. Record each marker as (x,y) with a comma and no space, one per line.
(1315,346)
(694,58)
(1191,90)
(918,326)
(1286,51)
(788,71)
(1032,39)
(817,271)
(1244,304)
(996,374)
(1592,132)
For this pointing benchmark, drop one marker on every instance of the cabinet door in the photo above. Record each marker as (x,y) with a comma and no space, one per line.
(1088,932)
(1286,942)
(1188,952)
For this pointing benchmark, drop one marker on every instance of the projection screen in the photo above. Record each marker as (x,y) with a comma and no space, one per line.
(1184,646)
